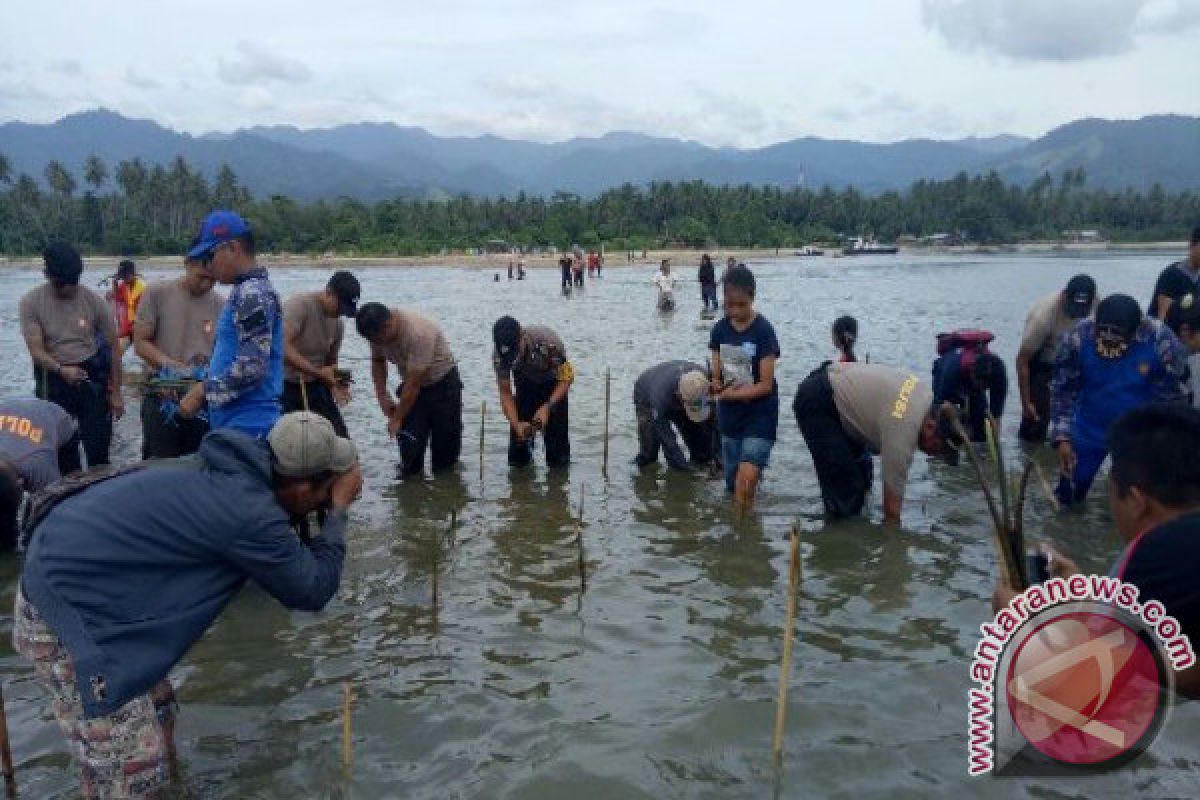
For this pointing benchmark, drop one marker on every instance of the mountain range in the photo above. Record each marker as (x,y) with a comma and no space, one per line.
(372,161)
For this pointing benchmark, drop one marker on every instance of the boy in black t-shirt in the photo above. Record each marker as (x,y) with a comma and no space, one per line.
(1154,492)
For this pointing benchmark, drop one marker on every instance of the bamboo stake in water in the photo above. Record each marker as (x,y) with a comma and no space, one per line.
(785,667)
(1041,476)
(1008,570)
(6,750)
(304,395)
(482,424)
(607,394)
(347,742)
(579,540)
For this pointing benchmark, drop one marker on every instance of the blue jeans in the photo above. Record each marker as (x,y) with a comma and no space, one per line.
(751,450)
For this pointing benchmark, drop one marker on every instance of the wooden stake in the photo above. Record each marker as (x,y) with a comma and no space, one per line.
(607,394)
(1001,471)
(304,395)
(347,741)
(785,666)
(1041,476)
(482,425)
(579,541)
(6,750)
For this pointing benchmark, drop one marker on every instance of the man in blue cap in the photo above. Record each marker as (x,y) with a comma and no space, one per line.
(245,373)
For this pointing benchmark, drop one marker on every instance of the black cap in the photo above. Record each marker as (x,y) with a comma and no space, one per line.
(63,264)
(1119,313)
(346,289)
(126,269)
(506,334)
(1079,296)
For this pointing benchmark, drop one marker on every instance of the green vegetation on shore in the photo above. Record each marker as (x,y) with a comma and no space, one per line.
(156,209)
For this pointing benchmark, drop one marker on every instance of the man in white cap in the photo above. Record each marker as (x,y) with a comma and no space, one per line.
(116,590)
(668,396)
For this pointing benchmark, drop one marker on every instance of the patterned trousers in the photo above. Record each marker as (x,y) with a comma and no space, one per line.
(126,754)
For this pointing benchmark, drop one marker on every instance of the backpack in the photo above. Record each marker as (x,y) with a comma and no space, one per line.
(39,505)
(973,341)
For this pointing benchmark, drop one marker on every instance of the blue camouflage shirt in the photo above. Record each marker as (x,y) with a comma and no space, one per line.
(245,377)
(1165,383)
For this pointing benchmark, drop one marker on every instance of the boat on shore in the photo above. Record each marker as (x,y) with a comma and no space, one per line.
(858,246)
(805,252)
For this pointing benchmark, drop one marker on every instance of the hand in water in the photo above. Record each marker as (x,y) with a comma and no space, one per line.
(1066,458)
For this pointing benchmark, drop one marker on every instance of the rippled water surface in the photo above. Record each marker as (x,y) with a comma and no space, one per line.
(660,680)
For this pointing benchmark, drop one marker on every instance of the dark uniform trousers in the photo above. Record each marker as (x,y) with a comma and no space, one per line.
(87,402)
(531,396)
(844,469)
(435,424)
(320,401)
(1039,390)
(168,438)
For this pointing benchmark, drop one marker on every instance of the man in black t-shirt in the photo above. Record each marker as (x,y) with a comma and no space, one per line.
(1154,492)
(1180,278)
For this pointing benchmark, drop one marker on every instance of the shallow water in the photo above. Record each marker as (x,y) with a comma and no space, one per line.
(660,681)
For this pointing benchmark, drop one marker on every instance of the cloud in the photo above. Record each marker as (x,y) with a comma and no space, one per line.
(1170,17)
(256,64)
(1036,30)
(68,66)
(139,81)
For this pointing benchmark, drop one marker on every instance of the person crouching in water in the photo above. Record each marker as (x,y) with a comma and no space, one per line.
(972,378)
(116,589)
(669,396)
(744,351)
(1106,366)
(848,411)
(845,334)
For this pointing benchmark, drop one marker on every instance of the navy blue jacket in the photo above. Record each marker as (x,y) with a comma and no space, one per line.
(132,571)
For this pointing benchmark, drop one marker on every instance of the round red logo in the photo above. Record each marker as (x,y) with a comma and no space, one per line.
(1084,688)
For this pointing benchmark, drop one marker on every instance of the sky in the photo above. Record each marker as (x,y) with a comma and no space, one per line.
(743,74)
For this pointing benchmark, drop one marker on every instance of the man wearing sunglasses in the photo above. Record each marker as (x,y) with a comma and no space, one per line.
(72,336)
(1107,365)
(245,373)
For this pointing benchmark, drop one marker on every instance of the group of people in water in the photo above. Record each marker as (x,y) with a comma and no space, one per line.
(244,441)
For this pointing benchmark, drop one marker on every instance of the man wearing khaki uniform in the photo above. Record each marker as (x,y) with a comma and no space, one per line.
(173,335)
(849,411)
(313,333)
(71,336)
(429,410)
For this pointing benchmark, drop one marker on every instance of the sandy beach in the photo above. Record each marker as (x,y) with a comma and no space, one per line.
(679,257)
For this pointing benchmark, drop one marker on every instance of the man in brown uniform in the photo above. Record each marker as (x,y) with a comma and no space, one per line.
(173,335)
(533,377)
(313,332)
(72,336)
(429,411)
(849,410)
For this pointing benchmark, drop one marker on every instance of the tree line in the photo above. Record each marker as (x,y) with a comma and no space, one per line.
(139,208)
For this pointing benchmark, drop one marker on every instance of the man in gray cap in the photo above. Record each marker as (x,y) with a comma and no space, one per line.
(116,590)
(669,396)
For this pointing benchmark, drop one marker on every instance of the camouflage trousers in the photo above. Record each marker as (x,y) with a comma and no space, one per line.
(126,754)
